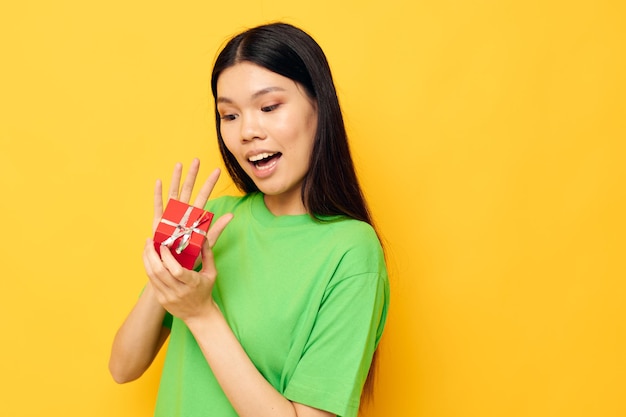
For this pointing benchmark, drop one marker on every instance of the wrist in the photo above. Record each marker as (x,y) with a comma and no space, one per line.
(150,296)
(202,322)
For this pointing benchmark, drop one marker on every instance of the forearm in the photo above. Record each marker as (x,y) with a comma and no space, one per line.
(139,338)
(247,390)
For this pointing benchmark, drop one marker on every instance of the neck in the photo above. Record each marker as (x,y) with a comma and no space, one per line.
(281,205)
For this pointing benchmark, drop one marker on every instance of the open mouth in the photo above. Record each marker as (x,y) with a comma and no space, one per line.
(264,160)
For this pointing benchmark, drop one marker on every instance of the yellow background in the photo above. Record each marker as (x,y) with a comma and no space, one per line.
(489,136)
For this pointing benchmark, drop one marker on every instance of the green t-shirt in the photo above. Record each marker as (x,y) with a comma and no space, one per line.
(307,301)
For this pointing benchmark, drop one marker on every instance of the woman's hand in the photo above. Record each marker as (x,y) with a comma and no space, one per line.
(183,194)
(184,293)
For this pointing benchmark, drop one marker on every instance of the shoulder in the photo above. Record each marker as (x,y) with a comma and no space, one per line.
(359,246)
(354,235)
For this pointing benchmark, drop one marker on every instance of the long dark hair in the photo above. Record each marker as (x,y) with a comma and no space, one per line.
(331,186)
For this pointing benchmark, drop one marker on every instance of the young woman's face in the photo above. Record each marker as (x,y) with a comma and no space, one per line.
(268,123)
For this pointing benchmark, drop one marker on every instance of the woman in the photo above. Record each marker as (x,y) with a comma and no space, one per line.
(286,311)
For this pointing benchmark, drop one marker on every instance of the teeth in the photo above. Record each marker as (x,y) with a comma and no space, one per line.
(268,166)
(260,156)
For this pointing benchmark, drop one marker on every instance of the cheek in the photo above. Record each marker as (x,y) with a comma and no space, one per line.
(228,137)
(311,132)
(299,132)
(311,124)
(232,145)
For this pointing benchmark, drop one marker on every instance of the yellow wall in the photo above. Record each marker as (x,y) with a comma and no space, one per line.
(489,136)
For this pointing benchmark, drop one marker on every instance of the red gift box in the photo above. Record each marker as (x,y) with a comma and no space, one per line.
(183,229)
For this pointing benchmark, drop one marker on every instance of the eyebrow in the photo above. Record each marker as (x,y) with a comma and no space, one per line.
(254,96)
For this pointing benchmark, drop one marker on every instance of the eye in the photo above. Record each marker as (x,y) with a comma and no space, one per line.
(267,109)
(228,117)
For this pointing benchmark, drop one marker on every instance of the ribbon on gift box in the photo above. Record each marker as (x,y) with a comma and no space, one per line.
(184,231)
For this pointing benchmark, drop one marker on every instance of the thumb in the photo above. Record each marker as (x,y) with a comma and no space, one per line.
(208,262)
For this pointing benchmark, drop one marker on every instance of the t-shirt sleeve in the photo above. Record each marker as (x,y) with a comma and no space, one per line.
(338,354)
(167,320)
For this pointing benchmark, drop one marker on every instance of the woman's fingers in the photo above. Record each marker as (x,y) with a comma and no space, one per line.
(218,227)
(190,180)
(183,193)
(164,271)
(175,184)
(207,189)
(152,263)
(208,263)
(175,271)
(158,204)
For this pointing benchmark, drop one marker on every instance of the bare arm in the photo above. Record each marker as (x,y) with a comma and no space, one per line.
(142,334)
(139,339)
(247,390)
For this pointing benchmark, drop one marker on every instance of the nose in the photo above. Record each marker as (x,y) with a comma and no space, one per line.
(251,128)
